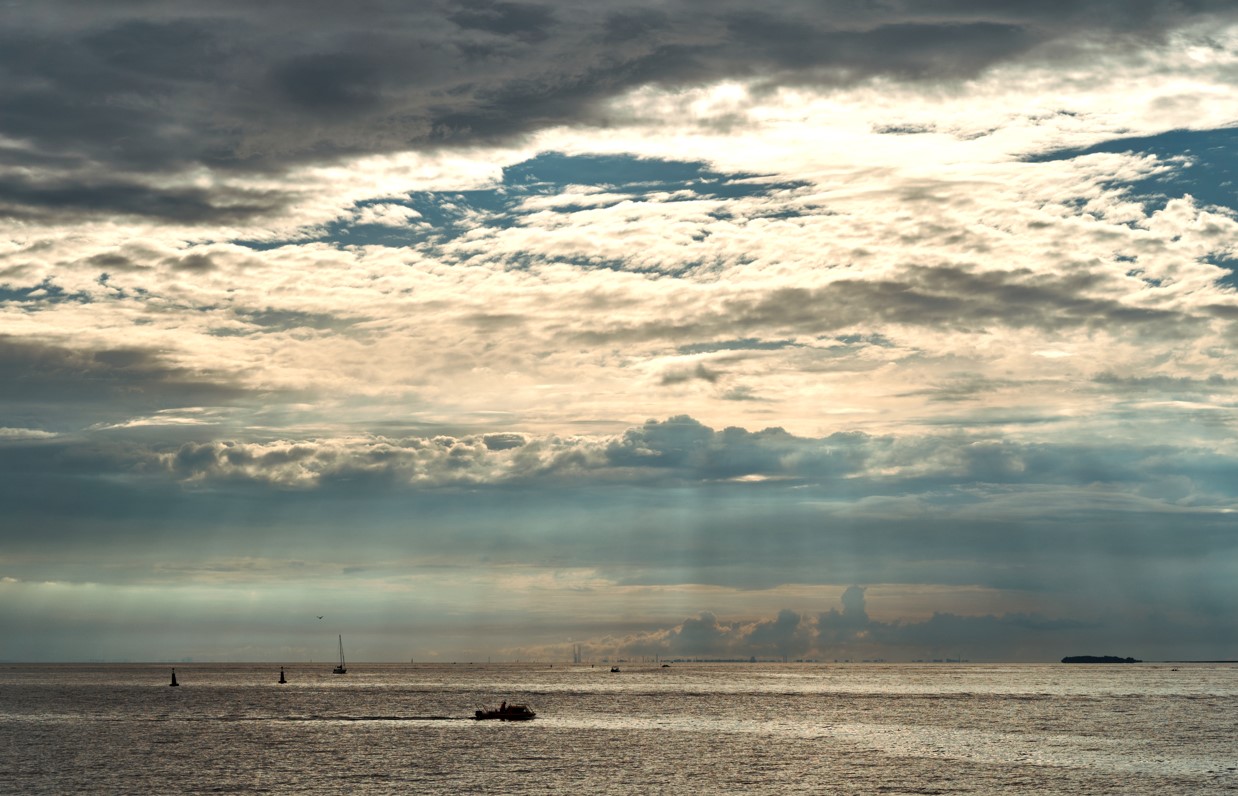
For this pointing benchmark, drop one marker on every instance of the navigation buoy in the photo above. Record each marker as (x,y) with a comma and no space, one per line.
(281,675)
(173,678)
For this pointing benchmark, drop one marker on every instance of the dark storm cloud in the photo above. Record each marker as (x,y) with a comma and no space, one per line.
(681,375)
(332,83)
(37,377)
(632,24)
(503,442)
(116,262)
(949,297)
(143,89)
(802,52)
(955,297)
(524,21)
(60,199)
(179,50)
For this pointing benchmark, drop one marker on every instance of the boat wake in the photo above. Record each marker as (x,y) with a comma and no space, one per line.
(306,719)
(369,718)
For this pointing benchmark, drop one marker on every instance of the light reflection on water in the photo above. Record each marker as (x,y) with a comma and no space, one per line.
(691,728)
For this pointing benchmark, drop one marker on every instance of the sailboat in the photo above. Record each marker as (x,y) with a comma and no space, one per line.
(340,669)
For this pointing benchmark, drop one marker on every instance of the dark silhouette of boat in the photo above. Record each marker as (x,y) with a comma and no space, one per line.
(506,712)
(341,669)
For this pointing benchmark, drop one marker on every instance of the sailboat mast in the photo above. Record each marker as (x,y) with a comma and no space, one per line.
(340,669)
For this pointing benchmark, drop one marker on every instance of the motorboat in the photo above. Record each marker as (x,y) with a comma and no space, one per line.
(506,712)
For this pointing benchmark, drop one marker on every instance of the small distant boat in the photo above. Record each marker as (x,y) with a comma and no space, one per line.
(506,712)
(340,669)
(614,668)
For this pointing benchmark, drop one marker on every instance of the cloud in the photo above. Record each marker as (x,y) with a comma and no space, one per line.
(852,635)
(526,22)
(666,503)
(34,372)
(387,215)
(706,636)
(681,375)
(259,88)
(719,287)
(25,433)
(1022,548)
(967,478)
(786,636)
(60,198)
(329,83)
(936,299)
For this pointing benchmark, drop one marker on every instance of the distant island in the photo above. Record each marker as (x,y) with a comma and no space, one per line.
(1098,659)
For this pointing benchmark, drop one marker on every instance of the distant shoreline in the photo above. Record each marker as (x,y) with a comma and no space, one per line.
(1223,661)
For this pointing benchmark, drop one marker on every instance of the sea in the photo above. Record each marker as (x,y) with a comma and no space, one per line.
(682,728)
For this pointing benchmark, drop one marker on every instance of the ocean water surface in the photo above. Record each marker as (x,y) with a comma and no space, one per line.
(686,728)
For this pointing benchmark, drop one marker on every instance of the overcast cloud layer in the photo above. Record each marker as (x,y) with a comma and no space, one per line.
(791,330)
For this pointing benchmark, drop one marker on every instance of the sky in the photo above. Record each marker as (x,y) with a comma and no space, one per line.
(487,330)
